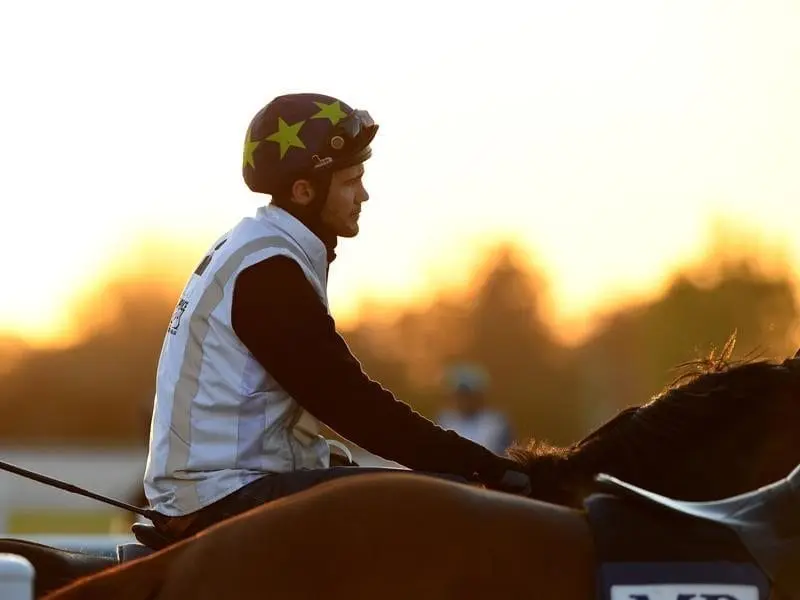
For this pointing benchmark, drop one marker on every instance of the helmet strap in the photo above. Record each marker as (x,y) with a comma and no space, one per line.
(322,186)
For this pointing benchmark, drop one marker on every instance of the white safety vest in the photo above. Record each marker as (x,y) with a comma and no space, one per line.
(220,421)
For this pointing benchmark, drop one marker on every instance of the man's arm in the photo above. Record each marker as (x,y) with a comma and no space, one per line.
(279,317)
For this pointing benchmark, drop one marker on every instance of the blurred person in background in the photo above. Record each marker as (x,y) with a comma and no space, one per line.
(252,364)
(469,413)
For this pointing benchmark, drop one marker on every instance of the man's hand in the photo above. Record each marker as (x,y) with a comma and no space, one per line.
(515,482)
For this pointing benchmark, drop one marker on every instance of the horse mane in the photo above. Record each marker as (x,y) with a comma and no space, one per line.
(713,399)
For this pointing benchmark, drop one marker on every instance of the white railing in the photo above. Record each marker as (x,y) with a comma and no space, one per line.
(103,545)
(16,578)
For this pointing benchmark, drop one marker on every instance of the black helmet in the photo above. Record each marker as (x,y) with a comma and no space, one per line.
(300,136)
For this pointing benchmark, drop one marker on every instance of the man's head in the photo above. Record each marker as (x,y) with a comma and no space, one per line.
(307,151)
(468,385)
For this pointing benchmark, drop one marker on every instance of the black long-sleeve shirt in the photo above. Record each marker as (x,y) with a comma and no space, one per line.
(281,320)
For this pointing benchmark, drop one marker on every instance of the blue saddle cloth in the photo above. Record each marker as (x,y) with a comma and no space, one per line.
(644,553)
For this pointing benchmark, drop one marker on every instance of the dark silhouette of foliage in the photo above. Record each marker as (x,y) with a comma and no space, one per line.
(99,390)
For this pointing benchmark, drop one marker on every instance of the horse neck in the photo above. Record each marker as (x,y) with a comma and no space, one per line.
(619,457)
(719,435)
(697,472)
(688,459)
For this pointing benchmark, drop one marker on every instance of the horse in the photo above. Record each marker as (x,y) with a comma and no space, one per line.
(722,429)
(395,535)
(409,536)
(719,429)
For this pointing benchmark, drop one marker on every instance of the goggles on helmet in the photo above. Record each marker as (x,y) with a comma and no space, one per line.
(350,136)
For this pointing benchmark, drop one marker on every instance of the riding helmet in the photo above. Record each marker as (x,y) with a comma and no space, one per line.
(304,135)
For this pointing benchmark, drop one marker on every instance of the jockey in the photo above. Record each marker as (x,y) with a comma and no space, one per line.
(470,417)
(252,364)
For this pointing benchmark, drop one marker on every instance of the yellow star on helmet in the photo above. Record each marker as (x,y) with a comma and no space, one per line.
(333,112)
(287,136)
(249,147)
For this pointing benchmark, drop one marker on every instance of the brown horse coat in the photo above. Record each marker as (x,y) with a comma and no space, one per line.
(376,536)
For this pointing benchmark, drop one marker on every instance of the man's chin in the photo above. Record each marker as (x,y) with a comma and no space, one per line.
(349,232)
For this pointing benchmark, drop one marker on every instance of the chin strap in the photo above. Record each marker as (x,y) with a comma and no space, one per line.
(322,187)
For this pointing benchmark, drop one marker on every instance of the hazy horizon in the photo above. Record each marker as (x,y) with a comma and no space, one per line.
(602,137)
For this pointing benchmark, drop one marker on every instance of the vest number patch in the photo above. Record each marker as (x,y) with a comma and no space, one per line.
(684,591)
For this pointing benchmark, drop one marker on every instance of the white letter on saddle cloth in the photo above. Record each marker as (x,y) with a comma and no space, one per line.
(684,591)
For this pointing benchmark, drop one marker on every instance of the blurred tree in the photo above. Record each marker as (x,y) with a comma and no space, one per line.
(509,336)
(636,350)
(100,389)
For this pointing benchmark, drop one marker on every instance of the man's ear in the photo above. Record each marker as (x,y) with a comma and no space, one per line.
(302,192)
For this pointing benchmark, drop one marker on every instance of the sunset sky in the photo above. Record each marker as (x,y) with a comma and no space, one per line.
(603,136)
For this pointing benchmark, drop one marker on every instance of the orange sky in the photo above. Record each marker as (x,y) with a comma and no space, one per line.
(603,136)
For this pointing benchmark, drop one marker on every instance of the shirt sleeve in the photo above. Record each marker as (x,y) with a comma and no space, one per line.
(281,320)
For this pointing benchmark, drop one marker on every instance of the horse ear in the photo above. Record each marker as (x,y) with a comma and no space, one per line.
(797,354)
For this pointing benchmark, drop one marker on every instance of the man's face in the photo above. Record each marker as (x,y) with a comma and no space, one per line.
(343,206)
(468,402)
